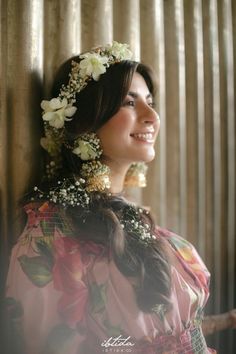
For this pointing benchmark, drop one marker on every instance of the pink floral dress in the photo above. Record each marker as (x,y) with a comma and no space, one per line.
(68,298)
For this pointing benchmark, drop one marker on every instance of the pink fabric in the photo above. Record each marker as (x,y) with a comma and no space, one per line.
(74,297)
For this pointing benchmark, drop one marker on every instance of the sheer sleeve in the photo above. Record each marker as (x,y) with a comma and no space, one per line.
(69,297)
(45,277)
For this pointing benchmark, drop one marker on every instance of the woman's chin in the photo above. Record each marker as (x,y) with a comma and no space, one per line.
(149,156)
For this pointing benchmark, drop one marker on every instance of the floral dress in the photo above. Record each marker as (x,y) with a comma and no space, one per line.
(69,298)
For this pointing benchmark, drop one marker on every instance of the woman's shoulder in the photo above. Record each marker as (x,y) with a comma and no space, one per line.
(48,240)
(187,255)
(49,225)
(180,245)
(44,218)
(178,242)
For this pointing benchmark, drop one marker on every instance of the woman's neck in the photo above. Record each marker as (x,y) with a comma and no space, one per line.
(117,177)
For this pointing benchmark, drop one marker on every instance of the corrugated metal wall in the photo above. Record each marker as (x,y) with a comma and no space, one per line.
(192,46)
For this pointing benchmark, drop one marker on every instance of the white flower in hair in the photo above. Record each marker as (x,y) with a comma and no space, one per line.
(85,151)
(93,64)
(56,112)
(50,144)
(60,109)
(120,51)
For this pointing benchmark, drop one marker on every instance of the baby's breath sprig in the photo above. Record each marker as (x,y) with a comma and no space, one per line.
(132,223)
(73,192)
(94,167)
(67,193)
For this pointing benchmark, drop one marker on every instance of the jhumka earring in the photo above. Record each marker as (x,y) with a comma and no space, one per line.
(96,174)
(136,175)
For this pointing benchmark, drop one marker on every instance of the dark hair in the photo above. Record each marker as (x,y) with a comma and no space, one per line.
(98,101)
(96,104)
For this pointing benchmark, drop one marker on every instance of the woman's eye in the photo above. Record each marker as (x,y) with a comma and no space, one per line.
(152,104)
(129,103)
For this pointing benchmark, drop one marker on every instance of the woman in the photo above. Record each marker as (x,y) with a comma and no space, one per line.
(91,273)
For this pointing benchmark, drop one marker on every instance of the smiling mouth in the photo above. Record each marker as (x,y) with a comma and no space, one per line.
(146,137)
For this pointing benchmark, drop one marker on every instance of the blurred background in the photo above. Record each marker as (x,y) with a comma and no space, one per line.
(191,44)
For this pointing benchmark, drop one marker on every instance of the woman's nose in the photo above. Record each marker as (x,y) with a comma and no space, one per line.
(149,115)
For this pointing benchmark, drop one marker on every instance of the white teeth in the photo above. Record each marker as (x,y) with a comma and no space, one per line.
(144,136)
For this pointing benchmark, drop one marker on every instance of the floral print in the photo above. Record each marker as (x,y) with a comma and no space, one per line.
(70,297)
(68,278)
(188,257)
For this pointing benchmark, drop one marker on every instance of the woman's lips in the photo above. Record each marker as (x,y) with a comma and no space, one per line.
(146,137)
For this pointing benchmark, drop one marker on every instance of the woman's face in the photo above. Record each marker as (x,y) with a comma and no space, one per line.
(129,136)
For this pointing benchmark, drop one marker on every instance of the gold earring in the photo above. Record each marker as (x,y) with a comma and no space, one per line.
(96,175)
(136,175)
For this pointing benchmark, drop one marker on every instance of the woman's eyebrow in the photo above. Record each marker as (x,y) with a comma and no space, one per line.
(135,95)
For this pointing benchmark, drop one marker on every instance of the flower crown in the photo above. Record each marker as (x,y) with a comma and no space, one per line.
(60,109)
